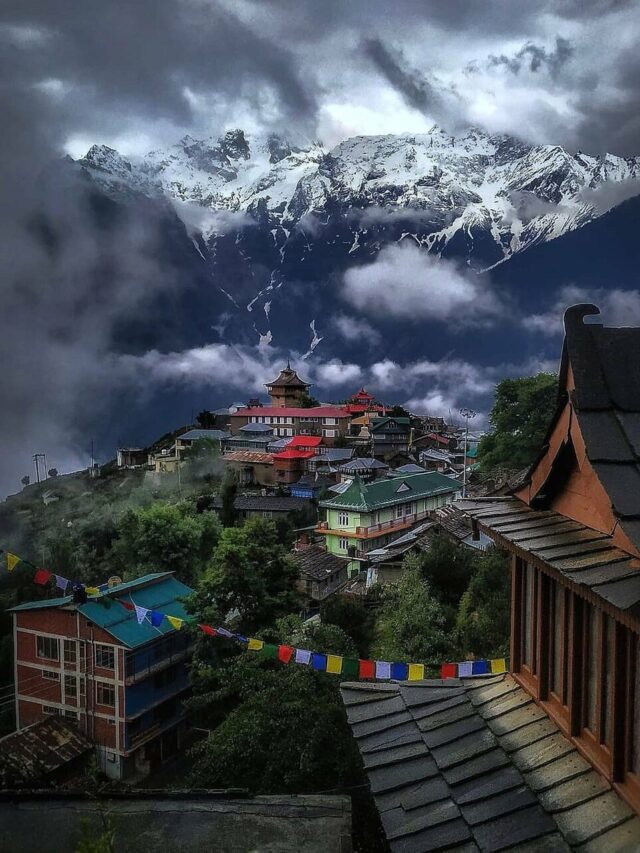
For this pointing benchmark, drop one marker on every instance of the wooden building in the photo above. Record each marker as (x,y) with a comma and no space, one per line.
(573,531)
(287,389)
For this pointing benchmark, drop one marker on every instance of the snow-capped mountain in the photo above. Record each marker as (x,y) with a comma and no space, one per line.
(484,196)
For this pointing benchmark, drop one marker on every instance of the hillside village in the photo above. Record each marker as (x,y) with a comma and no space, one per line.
(455,660)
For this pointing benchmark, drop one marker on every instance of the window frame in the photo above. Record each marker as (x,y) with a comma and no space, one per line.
(102,687)
(102,649)
(44,639)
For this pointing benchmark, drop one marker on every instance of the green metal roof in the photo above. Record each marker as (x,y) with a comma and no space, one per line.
(392,490)
(158,591)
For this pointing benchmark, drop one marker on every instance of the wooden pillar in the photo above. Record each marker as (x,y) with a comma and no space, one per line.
(515,650)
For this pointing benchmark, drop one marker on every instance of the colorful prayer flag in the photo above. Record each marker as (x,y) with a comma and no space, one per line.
(303,656)
(206,629)
(399,671)
(350,667)
(224,633)
(156,618)
(141,613)
(126,604)
(465,669)
(448,670)
(92,590)
(480,667)
(42,577)
(270,651)
(334,664)
(174,621)
(61,583)
(12,561)
(367,669)
(383,669)
(319,662)
(498,665)
(416,671)
(285,653)
(255,645)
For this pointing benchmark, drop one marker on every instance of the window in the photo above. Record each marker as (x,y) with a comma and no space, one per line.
(70,651)
(70,687)
(83,688)
(105,694)
(51,710)
(47,647)
(329,433)
(50,676)
(343,518)
(73,715)
(267,513)
(329,421)
(104,656)
(343,543)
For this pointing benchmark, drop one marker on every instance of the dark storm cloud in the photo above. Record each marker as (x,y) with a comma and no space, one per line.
(535,56)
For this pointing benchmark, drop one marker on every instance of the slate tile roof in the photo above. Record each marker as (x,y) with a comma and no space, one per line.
(317,563)
(584,556)
(196,434)
(267,503)
(474,765)
(38,751)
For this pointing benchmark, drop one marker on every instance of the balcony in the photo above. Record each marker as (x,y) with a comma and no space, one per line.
(143,666)
(402,523)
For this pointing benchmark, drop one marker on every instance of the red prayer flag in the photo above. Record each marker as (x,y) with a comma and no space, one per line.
(449,670)
(208,630)
(366,669)
(126,604)
(42,576)
(285,653)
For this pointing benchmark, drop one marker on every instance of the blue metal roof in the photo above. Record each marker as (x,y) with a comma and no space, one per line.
(195,434)
(159,591)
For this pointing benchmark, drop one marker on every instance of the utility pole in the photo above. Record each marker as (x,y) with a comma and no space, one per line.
(36,460)
(467,414)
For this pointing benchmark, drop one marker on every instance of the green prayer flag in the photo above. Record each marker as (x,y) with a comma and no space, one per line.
(270,651)
(350,667)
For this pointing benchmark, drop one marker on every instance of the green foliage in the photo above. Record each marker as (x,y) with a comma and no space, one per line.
(165,537)
(283,728)
(250,573)
(228,492)
(520,417)
(353,616)
(306,401)
(411,624)
(206,419)
(92,842)
(484,615)
(447,567)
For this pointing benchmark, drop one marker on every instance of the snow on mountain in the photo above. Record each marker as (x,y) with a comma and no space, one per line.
(513,194)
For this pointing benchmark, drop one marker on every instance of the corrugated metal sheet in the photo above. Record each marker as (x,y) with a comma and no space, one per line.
(39,750)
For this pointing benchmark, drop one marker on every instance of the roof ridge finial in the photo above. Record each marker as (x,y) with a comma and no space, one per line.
(289,363)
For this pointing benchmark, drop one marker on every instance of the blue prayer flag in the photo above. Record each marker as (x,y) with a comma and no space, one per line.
(400,671)
(319,662)
(156,618)
(481,667)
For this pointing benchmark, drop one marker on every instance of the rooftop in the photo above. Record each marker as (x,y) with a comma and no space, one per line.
(249,456)
(362,463)
(262,428)
(316,562)
(409,468)
(160,591)
(289,378)
(293,453)
(264,503)
(305,441)
(334,454)
(197,434)
(380,423)
(475,765)
(292,412)
(392,490)
(32,754)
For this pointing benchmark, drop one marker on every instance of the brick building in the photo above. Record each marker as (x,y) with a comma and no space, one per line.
(122,682)
(326,421)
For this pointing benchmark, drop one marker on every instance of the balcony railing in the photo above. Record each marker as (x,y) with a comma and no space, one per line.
(394,524)
(137,670)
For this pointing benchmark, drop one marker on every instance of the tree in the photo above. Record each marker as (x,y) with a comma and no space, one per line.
(353,616)
(484,615)
(165,537)
(448,567)
(25,480)
(398,412)
(306,401)
(228,493)
(250,574)
(411,626)
(52,472)
(520,418)
(206,419)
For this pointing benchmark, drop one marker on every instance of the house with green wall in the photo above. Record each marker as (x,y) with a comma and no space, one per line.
(367,516)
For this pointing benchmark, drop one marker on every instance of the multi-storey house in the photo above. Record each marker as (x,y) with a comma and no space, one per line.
(366,516)
(121,681)
(329,422)
(287,389)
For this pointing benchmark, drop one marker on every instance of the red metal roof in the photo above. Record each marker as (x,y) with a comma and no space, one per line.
(294,454)
(305,441)
(293,412)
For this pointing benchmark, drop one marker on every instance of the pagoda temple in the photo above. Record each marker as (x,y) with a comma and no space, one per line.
(362,402)
(288,389)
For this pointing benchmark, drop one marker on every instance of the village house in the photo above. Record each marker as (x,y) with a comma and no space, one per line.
(131,457)
(546,755)
(263,506)
(364,467)
(287,389)
(251,467)
(253,436)
(328,460)
(322,574)
(390,436)
(329,422)
(363,402)
(311,486)
(187,439)
(122,682)
(365,516)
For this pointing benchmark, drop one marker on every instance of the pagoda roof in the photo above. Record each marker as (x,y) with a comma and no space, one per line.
(288,378)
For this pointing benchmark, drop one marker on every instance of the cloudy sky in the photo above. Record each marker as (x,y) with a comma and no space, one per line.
(139,75)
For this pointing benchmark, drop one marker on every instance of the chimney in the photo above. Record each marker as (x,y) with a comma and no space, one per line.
(302,542)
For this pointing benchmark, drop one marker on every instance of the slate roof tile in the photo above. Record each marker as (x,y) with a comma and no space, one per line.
(513,828)
(622,838)
(476,766)
(452,732)
(526,735)
(592,818)
(542,752)
(573,792)
(493,782)
(561,770)
(398,822)
(401,774)
(505,802)
(464,748)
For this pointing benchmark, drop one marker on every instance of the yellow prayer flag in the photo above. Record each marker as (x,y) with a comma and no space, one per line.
(177,623)
(334,664)
(92,590)
(498,665)
(12,561)
(255,645)
(416,671)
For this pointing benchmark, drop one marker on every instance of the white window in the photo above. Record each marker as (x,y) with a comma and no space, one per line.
(288,431)
(331,421)
(50,676)
(330,433)
(343,518)
(343,543)
(105,694)
(267,513)
(70,651)
(48,647)
(104,657)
